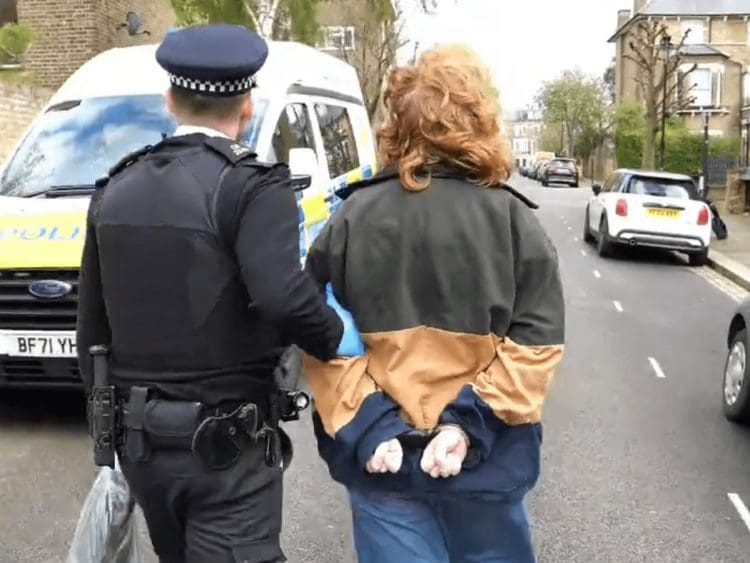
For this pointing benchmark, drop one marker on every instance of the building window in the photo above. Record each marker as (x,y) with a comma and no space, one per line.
(338,139)
(338,38)
(696,31)
(746,88)
(293,131)
(702,88)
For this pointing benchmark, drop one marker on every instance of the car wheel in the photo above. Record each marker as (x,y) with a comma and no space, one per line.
(575,185)
(587,236)
(545,183)
(698,258)
(603,245)
(736,380)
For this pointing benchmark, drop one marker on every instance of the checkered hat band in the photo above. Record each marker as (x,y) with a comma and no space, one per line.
(209,87)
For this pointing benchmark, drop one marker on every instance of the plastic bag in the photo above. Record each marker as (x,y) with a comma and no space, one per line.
(107,531)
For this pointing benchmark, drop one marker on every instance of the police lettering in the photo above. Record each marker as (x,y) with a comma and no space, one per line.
(51,233)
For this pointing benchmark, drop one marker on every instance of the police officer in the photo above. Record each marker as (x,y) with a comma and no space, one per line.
(191,277)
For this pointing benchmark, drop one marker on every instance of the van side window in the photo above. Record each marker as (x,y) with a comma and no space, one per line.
(338,139)
(293,131)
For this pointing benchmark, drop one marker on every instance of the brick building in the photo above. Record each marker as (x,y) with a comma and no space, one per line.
(72,31)
(718,42)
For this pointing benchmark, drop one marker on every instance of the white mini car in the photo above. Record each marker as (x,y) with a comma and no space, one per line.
(652,209)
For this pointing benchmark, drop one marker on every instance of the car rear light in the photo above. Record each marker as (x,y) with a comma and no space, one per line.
(704,216)
(621,208)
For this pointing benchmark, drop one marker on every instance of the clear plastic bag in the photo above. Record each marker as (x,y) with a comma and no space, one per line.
(107,529)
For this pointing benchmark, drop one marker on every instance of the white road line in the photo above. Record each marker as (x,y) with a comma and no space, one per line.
(597,274)
(741,508)
(583,253)
(618,306)
(657,368)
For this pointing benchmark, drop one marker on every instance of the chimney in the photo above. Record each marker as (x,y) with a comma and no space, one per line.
(638,5)
(622,17)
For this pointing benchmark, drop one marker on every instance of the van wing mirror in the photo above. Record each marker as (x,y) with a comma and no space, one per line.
(596,188)
(303,165)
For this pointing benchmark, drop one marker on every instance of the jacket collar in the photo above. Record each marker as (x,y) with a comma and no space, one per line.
(391,173)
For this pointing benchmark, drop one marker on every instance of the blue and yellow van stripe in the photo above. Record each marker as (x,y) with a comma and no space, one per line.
(314,211)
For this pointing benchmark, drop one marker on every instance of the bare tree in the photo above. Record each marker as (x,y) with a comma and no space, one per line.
(657,72)
(378,38)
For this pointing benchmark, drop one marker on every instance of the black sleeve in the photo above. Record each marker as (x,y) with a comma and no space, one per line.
(92,323)
(267,246)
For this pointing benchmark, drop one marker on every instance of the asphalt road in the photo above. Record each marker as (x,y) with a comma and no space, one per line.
(638,459)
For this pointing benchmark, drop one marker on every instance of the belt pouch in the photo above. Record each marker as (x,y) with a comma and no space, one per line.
(136,445)
(170,425)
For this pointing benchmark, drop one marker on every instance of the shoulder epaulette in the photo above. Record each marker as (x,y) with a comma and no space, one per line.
(233,151)
(123,163)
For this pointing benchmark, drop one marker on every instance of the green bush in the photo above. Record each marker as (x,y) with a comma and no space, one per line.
(683,151)
(725,146)
(15,38)
(629,149)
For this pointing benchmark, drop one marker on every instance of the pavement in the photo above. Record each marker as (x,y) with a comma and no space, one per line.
(639,464)
(731,256)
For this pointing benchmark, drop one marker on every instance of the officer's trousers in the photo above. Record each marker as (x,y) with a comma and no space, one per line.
(199,516)
(390,528)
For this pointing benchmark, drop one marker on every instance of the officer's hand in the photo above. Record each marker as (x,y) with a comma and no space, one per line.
(388,456)
(445,453)
(351,343)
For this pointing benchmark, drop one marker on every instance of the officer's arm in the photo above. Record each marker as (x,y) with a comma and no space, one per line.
(92,322)
(267,246)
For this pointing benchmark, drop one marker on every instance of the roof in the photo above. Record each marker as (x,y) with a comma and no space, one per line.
(688,8)
(654,174)
(696,7)
(134,71)
(702,51)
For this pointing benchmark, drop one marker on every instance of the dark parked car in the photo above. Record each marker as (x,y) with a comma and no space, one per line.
(736,380)
(561,171)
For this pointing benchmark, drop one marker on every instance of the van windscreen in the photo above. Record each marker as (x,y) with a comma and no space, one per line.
(76,142)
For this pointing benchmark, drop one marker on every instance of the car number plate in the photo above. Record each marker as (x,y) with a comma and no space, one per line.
(39,344)
(667,213)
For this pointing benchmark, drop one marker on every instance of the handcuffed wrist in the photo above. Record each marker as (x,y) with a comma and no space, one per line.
(458,429)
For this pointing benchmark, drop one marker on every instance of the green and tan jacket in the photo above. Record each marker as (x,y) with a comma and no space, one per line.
(456,291)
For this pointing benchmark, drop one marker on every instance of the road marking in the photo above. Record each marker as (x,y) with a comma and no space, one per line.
(741,508)
(583,253)
(657,368)
(618,306)
(597,274)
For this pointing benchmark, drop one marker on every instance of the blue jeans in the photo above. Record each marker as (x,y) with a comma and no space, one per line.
(395,528)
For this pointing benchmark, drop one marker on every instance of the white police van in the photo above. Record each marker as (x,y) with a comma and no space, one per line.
(309,113)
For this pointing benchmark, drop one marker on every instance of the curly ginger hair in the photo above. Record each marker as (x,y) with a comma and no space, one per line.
(444,111)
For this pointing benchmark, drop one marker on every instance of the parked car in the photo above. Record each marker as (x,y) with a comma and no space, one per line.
(541,170)
(561,171)
(650,209)
(736,380)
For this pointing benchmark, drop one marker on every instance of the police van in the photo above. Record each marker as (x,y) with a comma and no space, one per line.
(309,112)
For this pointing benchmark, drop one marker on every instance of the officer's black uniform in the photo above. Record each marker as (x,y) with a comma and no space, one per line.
(191,274)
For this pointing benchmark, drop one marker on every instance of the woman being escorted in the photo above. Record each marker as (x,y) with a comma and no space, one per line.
(455,288)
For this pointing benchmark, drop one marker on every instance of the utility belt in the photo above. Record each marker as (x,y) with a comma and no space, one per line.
(217,436)
(142,422)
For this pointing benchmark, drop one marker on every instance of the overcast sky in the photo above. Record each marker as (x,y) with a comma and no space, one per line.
(526,41)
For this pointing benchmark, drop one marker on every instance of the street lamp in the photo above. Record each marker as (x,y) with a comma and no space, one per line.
(666,47)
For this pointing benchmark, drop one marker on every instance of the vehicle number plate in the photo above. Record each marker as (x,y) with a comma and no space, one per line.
(40,345)
(668,213)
